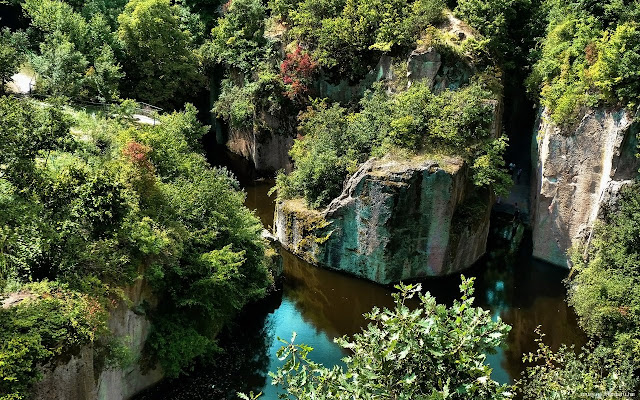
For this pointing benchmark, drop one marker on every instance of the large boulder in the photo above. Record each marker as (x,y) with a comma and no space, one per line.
(395,220)
(578,171)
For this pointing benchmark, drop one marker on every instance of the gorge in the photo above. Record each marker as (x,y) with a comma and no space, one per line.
(362,159)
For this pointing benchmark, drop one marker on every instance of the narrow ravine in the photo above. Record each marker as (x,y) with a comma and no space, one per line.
(319,304)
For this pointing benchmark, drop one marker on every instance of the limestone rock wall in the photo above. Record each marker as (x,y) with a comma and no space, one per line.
(71,380)
(268,151)
(131,323)
(82,378)
(395,220)
(576,171)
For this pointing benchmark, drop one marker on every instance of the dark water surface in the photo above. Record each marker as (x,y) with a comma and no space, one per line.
(319,304)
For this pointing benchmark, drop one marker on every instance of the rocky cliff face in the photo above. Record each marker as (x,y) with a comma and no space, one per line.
(578,170)
(268,149)
(83,377)
(395,220)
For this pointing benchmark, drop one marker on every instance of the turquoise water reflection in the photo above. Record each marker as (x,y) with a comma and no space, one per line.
(281,323)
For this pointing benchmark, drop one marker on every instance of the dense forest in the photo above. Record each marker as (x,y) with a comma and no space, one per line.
(98,194)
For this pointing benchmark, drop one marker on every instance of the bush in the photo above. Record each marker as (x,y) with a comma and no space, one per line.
(51,322)
(344,34)
(589,57)
(604,291)
(617,71)
(96,209)
(430,352)
(606,286)
(238,39)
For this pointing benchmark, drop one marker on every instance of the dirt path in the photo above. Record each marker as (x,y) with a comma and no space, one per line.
(16,298)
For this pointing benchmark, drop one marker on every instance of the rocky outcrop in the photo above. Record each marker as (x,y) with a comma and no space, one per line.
(395,220)
(83,377)
(268,150)
(578,171)
(268,147)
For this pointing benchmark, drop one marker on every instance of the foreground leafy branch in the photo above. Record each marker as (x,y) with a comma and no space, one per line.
(424,352)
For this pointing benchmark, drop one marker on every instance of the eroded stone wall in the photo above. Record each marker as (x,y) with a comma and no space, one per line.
(395,220)
(575,172)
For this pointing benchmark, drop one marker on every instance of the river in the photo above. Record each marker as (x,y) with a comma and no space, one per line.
(319,305)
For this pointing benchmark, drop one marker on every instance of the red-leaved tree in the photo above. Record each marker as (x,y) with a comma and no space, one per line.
(296,70)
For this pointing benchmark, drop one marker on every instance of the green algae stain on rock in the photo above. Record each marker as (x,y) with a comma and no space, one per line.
(393,221)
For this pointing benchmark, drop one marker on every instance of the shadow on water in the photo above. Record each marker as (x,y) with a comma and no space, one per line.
(320,304)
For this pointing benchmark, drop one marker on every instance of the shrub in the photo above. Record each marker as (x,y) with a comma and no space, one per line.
(297,70)
(430,352)
(51,322)
(589,57)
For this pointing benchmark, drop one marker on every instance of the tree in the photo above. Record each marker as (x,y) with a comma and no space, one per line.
(78,56)
(104,76)
(430,352)
(616,72)
(12,56)
(605,289)
(26,132)
(510,27)
(335,143)
(238,39)
(596,370)
(161,67)
(605,293)
(56,17)
(61,68)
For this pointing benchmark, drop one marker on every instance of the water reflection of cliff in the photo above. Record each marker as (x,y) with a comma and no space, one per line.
(526,293)
(258,200)
(331,301)
(558,323)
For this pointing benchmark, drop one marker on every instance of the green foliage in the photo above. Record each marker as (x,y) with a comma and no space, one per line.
(244,106)
(344,34)
(104,77)
(50,322)
(604,291)
(616,73)
(430,352)
(607,282)
(236,105)
(50,16)
(161,67)
(488,167)
(221,267)
(28,131)
(238,39)
(258,105)
(77,55)
(117,200)
(322,157)
(61,68)
(335,143)
(494,19)
(12,55)
(596,370)
(589,56)
(561,71)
